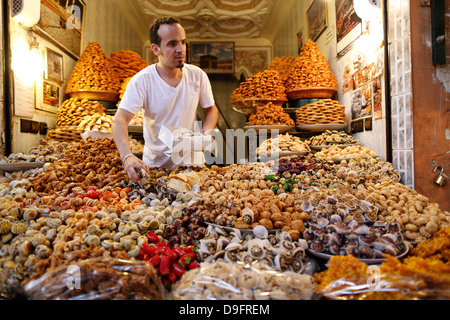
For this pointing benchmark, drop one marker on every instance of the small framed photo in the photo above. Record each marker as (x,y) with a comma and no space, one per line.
(54,66)
(317,18)
(213,57)
(50,94)
(357,126)
(368,124)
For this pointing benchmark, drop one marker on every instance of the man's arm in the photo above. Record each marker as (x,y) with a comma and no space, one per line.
(211,118)
(130,162)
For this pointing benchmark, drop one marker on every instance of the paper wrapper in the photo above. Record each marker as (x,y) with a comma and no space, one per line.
(186,147)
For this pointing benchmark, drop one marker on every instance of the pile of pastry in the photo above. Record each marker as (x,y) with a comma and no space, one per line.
(96,122)
(283,143)
(266,85)
(138,119)
(283,65)
(73,110)
(311,70)
(270,115)
(126,63)
(93,72)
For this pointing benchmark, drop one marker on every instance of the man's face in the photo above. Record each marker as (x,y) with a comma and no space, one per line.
(172,51)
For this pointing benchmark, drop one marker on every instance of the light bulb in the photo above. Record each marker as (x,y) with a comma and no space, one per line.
(27,64)
(367,10)
(36,64)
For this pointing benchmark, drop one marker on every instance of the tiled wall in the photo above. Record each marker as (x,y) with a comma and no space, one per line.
(401,94)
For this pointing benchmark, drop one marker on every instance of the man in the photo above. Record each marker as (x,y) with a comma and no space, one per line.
(169,91)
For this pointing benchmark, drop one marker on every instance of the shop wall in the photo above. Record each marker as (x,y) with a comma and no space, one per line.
(103,23)
(107,24)
(35,109)
(287,44)
(431,107)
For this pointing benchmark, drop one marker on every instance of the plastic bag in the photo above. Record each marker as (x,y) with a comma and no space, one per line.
(97,279)
(185,147)
(391,287)
(413,278)
(230,281)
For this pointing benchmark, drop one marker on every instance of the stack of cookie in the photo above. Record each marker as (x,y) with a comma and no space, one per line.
(321,112)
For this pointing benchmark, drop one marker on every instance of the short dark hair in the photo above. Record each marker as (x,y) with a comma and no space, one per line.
(154,28)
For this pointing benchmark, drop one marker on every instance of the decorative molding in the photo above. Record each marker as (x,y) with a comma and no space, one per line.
(214,19)
(251,60)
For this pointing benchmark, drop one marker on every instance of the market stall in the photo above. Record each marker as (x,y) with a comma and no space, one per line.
(318,215)
(189,223)
(316,218)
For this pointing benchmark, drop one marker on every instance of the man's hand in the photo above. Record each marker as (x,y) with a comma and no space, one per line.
(132,166)
(130,162)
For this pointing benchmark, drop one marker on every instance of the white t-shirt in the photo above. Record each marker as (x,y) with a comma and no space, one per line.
(166,105)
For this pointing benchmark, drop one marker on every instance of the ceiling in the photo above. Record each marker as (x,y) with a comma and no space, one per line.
(212,19)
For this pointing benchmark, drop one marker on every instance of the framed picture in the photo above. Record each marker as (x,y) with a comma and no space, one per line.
(50,94)
(213,57)
(62,23)
(357,126)
(317,19)
(348,26)
(377,99)
(54,66)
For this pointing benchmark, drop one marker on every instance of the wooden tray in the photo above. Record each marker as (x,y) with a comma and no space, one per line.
(281,128)
(322,93)
(67,133)
(20,166)
(95,95)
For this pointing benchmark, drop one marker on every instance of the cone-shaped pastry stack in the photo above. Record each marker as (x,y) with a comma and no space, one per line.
(93,72)
(127,63)
(311,70)
(283,65)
